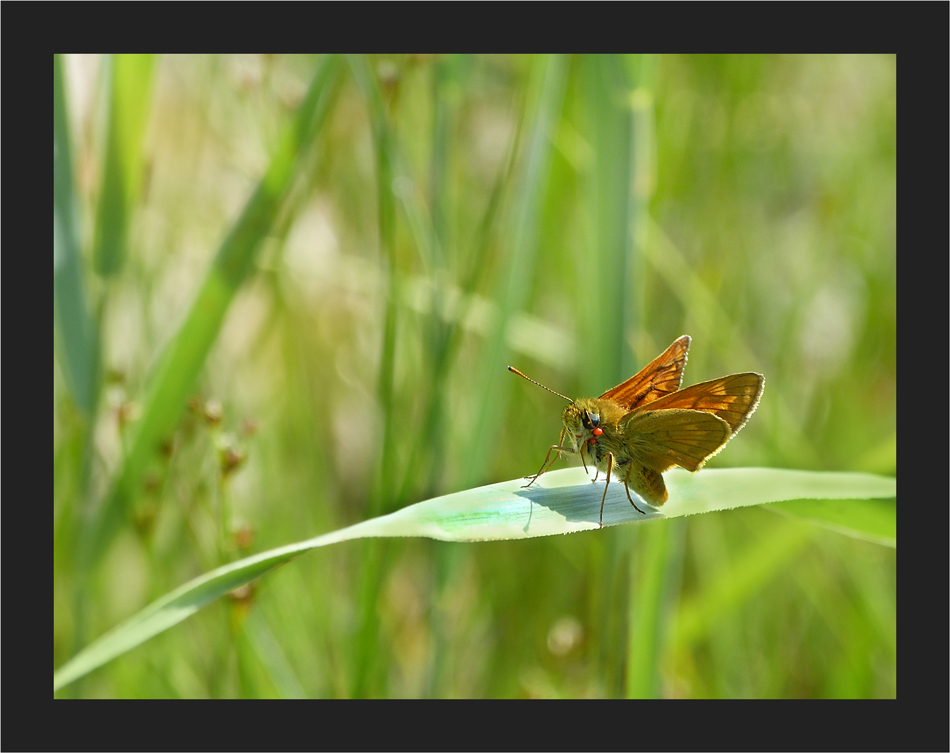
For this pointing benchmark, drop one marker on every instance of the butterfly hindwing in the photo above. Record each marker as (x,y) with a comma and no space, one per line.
(664,438)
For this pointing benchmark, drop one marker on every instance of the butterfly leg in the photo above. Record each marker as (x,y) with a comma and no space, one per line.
(583,450)
(546,465)
(625,481)
(610,465)
(583,462)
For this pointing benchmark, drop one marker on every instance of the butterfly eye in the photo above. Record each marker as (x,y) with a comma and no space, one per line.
(593,419)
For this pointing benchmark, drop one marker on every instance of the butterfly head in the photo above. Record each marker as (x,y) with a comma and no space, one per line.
(582,419)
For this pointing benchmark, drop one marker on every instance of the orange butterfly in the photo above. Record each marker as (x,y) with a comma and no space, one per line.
(646,425)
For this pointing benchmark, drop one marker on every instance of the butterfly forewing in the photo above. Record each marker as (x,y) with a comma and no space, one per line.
(662,376)
(660,439)
(732,398)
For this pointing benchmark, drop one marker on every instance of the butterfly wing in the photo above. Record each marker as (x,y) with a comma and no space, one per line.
(662,376)
(660,439)
(732,398)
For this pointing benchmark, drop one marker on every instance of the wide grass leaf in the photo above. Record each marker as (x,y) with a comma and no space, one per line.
(560,502)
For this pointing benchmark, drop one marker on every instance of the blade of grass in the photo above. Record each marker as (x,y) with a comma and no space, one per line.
(130,86)
(78,330)
(604,268)
(647,599)
(79,348)
(560,502)
(175,375)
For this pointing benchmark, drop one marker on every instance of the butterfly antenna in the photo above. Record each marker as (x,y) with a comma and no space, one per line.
(515,371)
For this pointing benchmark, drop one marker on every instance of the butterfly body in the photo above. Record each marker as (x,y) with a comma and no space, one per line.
(646,425)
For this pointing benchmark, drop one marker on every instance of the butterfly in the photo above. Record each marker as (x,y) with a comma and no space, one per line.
(644,426)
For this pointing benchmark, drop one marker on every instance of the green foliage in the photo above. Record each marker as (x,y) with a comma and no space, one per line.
(411,225)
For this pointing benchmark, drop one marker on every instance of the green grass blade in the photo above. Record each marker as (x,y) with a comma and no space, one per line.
(560,502)
(177,371)
(647,600)
(130,86)
(608,189)
(861,505)
(79,349)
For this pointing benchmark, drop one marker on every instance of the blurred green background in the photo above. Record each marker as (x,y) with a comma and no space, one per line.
(286,291)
